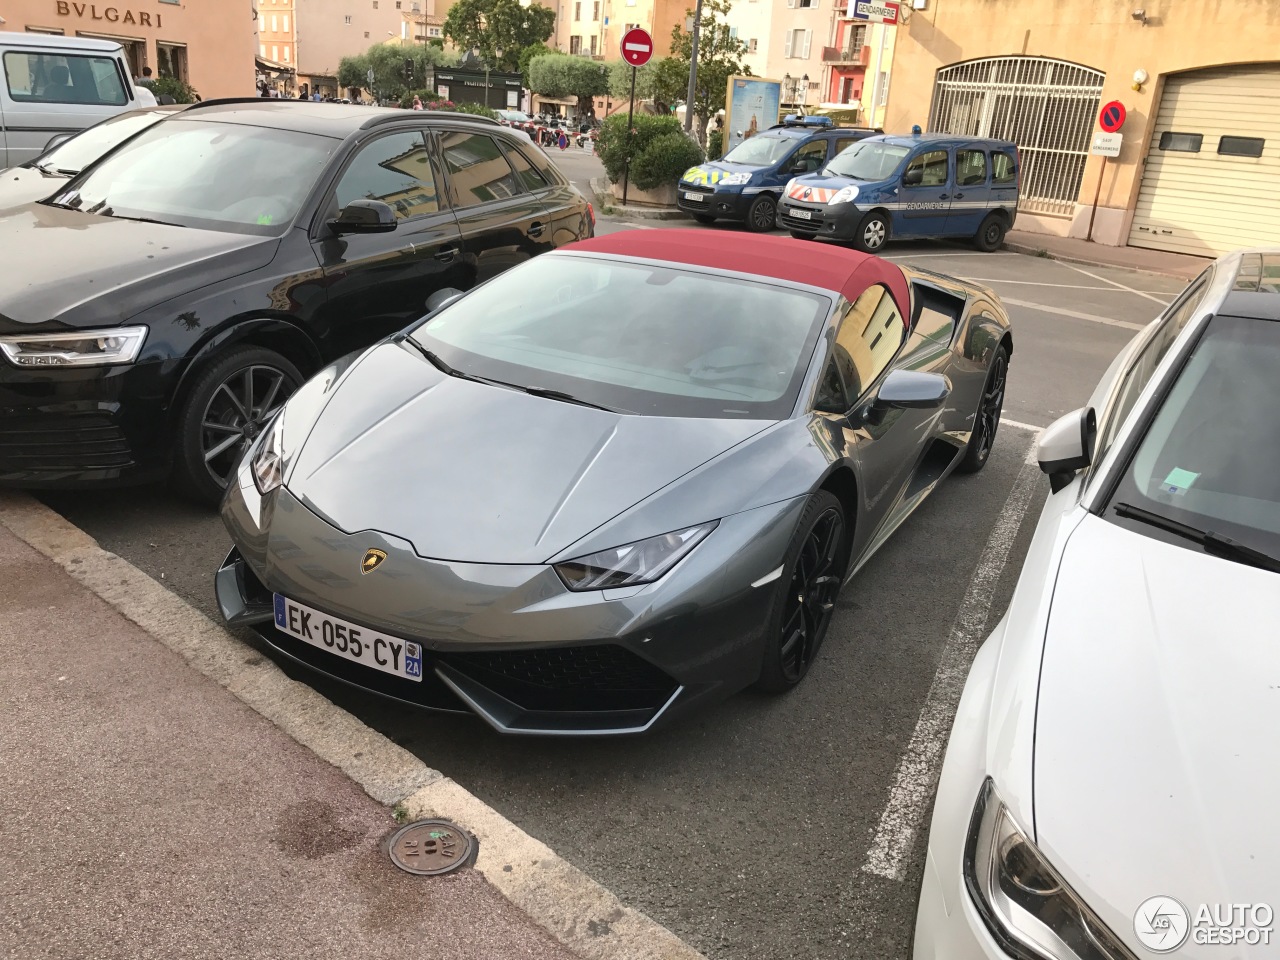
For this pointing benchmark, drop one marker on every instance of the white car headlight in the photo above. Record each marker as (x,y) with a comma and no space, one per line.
(735,179)
(1026,905)
(633,563)
(81,348)
(844,195)
(790,183)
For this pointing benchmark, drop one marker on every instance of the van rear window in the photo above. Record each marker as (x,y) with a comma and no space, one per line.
(63,78)
(1003,169)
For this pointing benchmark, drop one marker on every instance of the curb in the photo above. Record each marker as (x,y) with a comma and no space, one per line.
(604,198)
(1031,250)
(560,898)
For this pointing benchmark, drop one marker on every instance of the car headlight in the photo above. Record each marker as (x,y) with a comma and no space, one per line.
(82,348)
(633,563)
(269,463)
(735,179)
(844,195)
(1027,906)
(790,183)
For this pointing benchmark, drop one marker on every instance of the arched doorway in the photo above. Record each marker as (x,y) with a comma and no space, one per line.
(1047,107)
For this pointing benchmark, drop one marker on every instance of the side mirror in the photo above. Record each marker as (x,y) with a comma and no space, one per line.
(1067,445)
(364,216)
(442,298)
(912,390)
(913,178)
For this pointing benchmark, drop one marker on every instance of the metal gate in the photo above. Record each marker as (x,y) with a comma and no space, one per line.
(1047,107)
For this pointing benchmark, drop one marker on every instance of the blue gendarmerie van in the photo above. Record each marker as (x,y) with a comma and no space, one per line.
(746,183)
(900,187)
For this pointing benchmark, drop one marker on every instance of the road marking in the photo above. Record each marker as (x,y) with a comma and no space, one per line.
(917,773)
(1114,283)
(1074,314)
(1037,283)
(1019,425)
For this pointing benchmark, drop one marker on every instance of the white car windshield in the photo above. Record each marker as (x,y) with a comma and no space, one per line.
(634,337)
(1211,457)
(869,160)
(761,150)
(204,173)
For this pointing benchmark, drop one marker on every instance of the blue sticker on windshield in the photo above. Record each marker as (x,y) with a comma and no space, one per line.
(1179,481)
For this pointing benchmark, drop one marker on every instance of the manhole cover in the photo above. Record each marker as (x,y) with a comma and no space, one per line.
(432,847)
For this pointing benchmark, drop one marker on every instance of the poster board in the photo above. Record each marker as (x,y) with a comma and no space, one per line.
(751,105)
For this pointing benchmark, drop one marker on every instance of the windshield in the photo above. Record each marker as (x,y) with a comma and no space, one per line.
(201,173)
(1211,456)
(868,160)
(514,115)
(761,150)
(75,154)
(635,338)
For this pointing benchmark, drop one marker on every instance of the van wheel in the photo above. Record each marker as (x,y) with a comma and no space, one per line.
(762,215)
(872,233)
(231,402)
(991,234)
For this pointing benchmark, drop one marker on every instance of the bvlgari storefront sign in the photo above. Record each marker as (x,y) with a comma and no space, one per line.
(98,11)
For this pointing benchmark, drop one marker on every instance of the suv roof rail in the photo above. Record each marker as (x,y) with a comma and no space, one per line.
(434,114)
(222,101)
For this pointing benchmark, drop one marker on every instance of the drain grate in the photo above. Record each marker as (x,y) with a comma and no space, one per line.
(432,847)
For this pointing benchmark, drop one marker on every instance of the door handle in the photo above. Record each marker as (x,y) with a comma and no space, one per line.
(945,196)
(535,229)
(447,254)
(958,196)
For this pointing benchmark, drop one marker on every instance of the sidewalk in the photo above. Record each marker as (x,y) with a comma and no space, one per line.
(1101,255)
(146,812)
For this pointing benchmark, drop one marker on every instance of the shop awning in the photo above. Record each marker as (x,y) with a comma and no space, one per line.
(561,102)
(270,65)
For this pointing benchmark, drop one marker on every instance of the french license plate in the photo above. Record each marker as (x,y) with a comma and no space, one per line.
(401,658)
(696,197)
(802,214)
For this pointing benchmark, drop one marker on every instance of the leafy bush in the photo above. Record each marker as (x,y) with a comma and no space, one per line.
(664,160)
(615,144)
(181,91)
(715,144)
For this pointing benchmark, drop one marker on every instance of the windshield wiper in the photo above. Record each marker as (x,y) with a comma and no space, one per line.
(1213,543)
(163,223)
(546,392)
(565,397)
(443,367)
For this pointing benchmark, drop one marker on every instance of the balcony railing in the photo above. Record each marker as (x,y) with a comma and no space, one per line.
(845,55)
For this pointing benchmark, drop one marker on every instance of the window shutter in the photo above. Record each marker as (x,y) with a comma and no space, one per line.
(790,35)
(808,38)
(791,3)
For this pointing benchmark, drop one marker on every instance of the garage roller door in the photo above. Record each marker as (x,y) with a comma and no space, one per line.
(1213,164)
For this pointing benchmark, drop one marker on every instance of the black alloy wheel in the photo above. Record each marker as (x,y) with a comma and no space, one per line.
(990,234)
(986,421)
(762,215)
(806,599)
(228,407)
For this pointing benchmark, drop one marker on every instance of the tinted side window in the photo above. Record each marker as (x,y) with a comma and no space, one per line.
(1003,169)
(540,162)
(478,172)
(868,336)
(931,168)
(811,155)
(395,169)
(971,168)
(529,175)
(57,78)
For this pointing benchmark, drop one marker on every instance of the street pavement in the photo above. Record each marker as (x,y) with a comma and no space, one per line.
(746,829)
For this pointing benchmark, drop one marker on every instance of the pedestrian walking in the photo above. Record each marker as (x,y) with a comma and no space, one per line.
(417,103)
(146,80)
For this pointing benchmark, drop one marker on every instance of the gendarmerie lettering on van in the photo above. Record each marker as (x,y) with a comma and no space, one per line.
(53,86)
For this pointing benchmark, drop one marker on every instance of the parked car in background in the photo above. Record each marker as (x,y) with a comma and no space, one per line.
(517,119)
(930,185)
(176,292)
(40,177)
(1113,760)
(747,182)
(51,86)
(624,479)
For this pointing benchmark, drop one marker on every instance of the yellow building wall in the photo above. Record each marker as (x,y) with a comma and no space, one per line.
(1178,35)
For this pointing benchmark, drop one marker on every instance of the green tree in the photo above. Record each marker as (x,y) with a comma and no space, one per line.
(527,54)
(663,81)
(561,75)
(719,58)
(498,30)
(387,60)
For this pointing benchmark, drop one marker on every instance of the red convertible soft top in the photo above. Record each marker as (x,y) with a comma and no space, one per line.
(804,261)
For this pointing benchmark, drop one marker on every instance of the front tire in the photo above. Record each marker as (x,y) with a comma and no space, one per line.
(990,235)
(762,215)
(872,232)
(229,404)
(987,420)
(812,572)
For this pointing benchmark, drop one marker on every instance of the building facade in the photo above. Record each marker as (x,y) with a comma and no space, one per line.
(1198,153)
(328,30)
(208,45)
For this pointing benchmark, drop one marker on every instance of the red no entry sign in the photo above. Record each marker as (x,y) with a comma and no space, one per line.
(1112,116)
(637,47)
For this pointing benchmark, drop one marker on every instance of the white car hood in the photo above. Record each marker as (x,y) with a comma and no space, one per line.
(1157,752)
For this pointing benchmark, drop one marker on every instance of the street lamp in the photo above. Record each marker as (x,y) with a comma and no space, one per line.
(804,91)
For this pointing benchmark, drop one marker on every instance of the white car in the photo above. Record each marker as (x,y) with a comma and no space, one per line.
(1110,787)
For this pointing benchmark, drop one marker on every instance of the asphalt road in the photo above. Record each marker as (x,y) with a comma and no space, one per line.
(746,828)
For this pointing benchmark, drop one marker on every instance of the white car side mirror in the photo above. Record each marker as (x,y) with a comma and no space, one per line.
(1067,445)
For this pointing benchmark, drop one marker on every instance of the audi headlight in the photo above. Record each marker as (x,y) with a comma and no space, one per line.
(844,195)
(735,179)
(634,563)
(1029,909)
(82,348)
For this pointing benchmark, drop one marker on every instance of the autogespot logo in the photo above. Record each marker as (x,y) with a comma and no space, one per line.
(1161,924)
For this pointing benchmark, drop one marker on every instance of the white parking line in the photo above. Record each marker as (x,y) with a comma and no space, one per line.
(1073,314)
(1037,283)
(1114,283)
(917,773)
(1019,425)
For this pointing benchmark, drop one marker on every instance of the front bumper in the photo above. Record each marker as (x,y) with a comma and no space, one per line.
(958,935)
(722,204)
(82,426)
(839,222)
(510,642)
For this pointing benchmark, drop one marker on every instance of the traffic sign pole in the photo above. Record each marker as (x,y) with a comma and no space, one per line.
(637,48)
(626,162)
